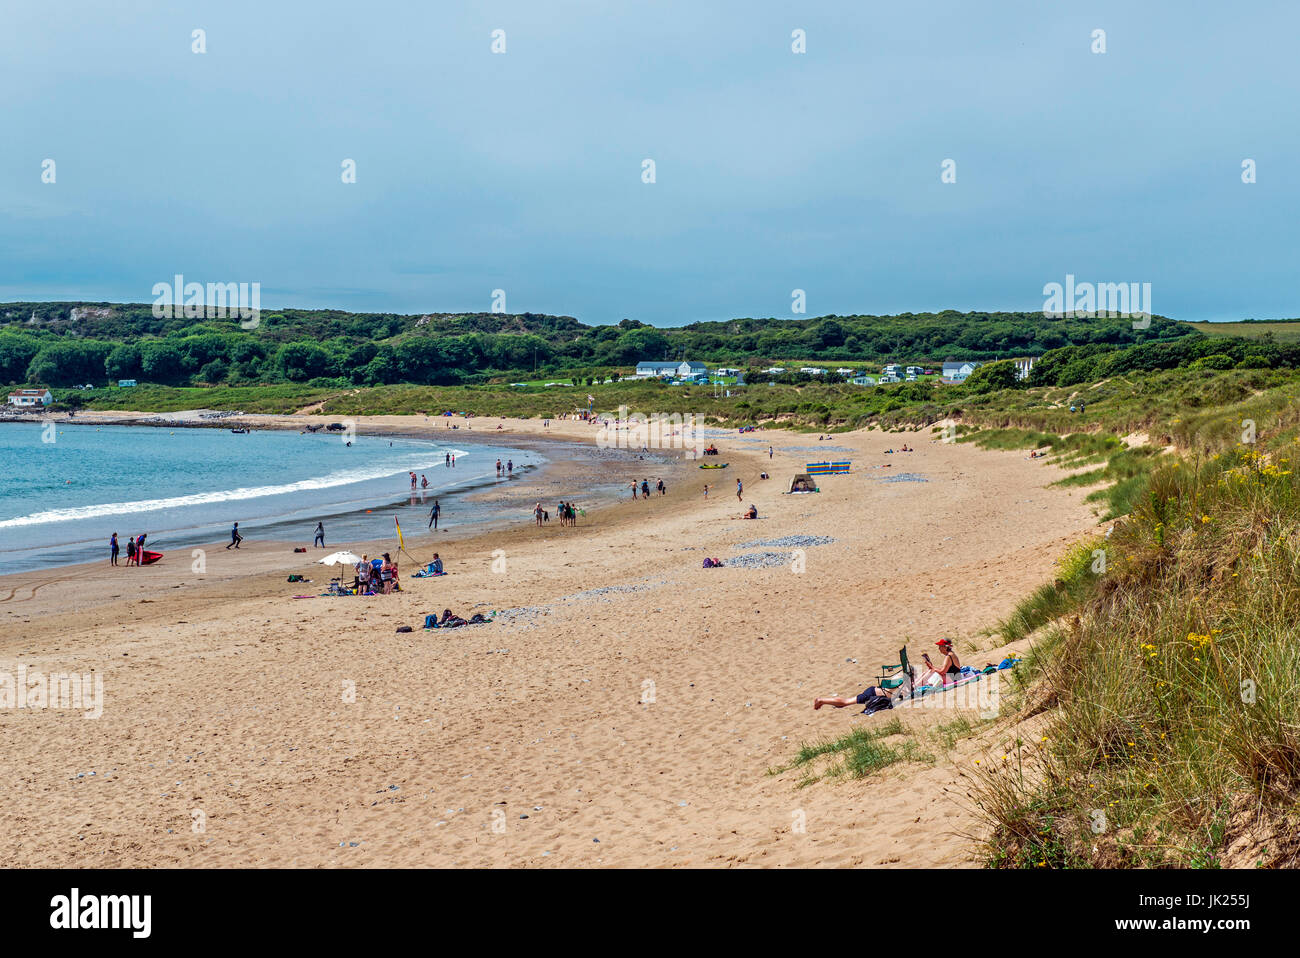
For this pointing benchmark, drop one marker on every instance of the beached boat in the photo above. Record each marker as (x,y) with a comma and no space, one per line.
(149,558)
(239,430)
(713,465)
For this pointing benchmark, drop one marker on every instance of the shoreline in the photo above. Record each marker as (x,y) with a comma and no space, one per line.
(560,470)
(555,472)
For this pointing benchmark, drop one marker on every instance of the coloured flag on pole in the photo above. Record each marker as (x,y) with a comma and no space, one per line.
(400,543)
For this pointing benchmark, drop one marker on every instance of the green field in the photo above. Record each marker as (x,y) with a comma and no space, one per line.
(1280,330)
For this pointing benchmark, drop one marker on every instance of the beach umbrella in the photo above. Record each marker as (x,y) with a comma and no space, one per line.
(341,558)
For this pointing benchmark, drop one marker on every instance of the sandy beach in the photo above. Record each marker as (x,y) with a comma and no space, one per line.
(624,709)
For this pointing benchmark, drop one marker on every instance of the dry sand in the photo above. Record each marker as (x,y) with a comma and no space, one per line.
(229,737)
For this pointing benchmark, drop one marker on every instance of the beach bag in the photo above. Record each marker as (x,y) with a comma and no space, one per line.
(877,703)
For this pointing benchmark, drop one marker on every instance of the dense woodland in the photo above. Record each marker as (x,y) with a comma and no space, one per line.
(66,344)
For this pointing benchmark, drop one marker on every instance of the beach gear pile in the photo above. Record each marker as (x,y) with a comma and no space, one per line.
(450,620)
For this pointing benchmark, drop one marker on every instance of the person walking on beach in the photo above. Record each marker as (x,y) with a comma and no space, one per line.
(235,537)
(739,489)
(433,515)
(113,550)
(769,452)
(448,459)
(645,488)
(498,467)
(537,513)
(510,466)
(320,535)
(634,492)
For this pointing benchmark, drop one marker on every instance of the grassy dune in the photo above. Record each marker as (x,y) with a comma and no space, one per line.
(1168,676)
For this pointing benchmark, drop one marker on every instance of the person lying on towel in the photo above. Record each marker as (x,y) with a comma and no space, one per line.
(873,696)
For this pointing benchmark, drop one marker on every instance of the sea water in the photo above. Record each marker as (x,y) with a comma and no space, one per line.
(61,500)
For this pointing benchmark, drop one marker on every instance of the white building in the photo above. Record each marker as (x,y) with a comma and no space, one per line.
(863,380)
(812,370)
(956,372)
(31,398)
(670,370)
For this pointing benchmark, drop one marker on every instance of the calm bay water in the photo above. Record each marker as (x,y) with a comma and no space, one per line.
(60,501)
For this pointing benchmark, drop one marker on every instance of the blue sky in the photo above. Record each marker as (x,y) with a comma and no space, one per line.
(774,170)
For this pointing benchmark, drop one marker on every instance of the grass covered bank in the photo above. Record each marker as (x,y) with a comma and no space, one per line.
(1169,680)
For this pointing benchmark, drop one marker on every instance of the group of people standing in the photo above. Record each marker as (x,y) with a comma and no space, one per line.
(567,512)
(134,549)
(508,469)
(376,576)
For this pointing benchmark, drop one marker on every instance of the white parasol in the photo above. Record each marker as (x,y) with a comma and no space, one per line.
(341,558)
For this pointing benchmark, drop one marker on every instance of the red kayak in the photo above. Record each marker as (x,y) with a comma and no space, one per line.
(149,558)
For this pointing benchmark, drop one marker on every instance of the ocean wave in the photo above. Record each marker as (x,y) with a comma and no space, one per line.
(332,480)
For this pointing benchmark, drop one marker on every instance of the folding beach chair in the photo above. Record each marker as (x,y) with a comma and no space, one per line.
(892,676)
